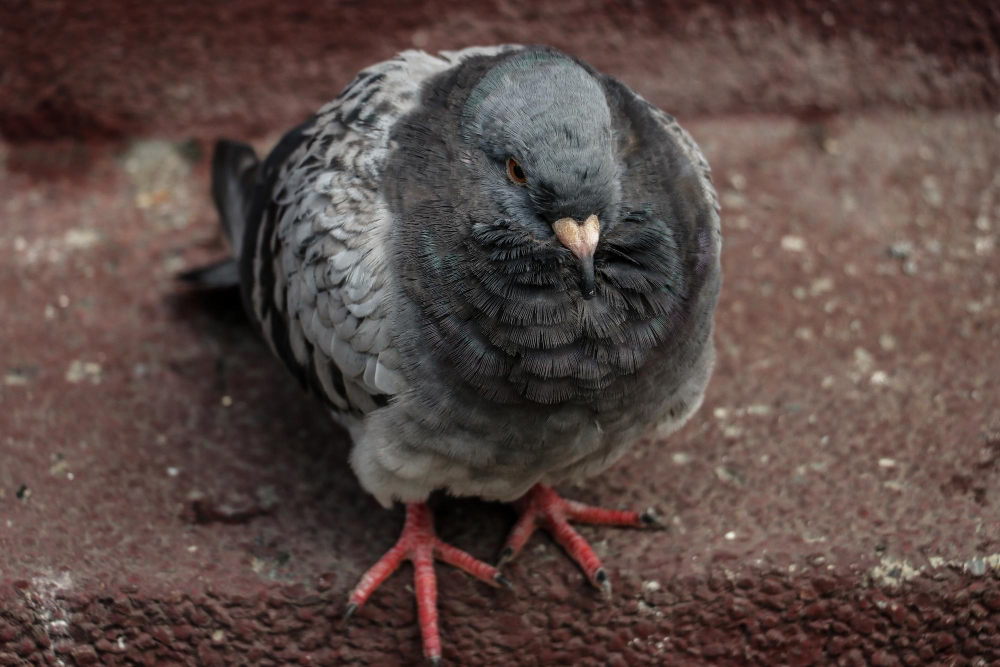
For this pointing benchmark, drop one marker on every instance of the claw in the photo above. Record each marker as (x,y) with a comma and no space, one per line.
(503,581)
(351,608)
(650,519)
(602,581)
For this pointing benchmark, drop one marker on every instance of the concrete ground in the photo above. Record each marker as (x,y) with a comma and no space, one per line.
(169,496)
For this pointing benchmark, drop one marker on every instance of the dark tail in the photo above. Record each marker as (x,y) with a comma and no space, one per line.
(234,177)
(214,276)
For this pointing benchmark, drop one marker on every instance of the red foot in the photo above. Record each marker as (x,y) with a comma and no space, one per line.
(542,506)
(420,545)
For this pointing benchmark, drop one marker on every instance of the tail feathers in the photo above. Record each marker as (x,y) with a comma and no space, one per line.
(234,176)
(215,276)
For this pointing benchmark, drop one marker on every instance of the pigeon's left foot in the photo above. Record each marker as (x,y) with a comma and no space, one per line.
(421,546)
(542,506)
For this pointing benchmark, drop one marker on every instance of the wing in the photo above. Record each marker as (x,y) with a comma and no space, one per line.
(315,268)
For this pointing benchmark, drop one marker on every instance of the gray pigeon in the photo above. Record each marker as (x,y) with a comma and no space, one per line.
(498,268)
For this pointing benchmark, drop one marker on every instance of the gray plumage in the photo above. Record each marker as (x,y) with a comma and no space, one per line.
(396,269)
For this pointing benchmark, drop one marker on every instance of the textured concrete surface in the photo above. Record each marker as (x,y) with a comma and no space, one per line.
(116,68)
(168,496)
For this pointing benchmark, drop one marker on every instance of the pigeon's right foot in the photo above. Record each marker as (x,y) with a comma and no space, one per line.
(421,546)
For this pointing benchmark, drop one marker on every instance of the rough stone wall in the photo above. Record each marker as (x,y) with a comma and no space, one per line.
(114,68)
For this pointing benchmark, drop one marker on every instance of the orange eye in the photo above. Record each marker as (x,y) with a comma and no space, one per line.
(515,173)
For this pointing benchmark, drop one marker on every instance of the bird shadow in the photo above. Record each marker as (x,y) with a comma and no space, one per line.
(284,440)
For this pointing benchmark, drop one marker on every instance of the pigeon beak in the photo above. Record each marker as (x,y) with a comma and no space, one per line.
(581,239)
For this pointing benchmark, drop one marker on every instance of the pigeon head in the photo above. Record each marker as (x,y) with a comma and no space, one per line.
(539,129)
(541,242)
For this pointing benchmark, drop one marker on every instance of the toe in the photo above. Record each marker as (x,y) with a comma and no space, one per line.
(601,516)
(578,549)
(519,535)
(425,585)
(467,563)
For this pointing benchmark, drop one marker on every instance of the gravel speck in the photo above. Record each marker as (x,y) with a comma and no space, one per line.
(793,243)
(900,250)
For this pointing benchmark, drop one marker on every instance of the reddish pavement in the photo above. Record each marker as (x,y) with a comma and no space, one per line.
(168,495)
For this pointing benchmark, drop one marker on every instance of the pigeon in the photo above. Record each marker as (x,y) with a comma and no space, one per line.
(498,269)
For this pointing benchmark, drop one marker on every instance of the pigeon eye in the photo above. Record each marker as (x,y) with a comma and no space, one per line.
(515,173)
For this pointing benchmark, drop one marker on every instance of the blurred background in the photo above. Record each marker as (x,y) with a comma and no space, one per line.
(112,69)
(168,495)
